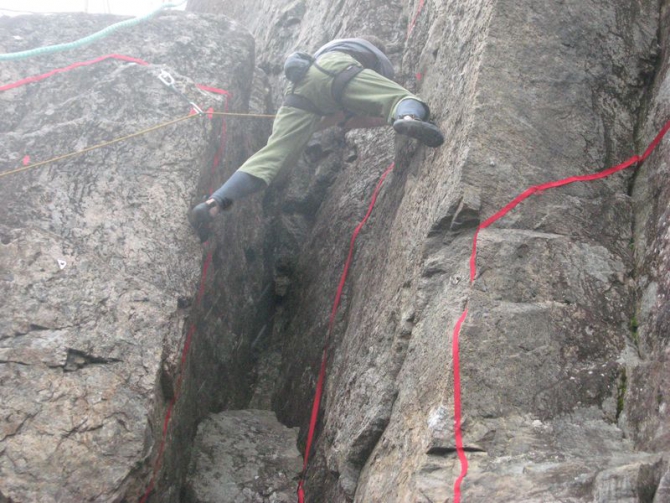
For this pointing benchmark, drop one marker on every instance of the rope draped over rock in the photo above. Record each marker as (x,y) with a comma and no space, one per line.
(105,32)
(37,78)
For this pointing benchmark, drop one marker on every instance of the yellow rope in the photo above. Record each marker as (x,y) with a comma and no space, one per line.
(123,138)
(232,114)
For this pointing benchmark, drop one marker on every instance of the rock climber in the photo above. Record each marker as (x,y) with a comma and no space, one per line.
(347,82)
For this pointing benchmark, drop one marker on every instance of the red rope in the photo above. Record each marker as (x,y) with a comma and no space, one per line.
(324,359)
(457,408)
(212,89)
(224,131)
(37,78)
(636,159)
(410,28)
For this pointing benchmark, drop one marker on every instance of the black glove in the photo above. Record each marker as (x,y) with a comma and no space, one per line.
(201,220)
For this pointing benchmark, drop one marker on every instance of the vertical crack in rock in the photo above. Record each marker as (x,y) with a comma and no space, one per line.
(644,407)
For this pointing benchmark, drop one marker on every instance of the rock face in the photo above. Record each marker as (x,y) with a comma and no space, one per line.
(564,354)
(564,359)
(97,261)
(647,397)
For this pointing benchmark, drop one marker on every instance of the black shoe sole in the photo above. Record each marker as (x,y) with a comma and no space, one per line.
(425,132)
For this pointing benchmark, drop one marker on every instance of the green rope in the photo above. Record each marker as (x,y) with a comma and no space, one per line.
(39,51)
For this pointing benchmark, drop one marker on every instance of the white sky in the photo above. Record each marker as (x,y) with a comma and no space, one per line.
(121,7)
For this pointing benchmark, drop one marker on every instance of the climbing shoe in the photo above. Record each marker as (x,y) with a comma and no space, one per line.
(426,132)
(201,220)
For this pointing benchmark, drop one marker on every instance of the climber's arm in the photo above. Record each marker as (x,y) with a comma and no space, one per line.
(238,186)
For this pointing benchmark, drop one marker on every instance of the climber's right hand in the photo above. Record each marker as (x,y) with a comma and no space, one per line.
(201,218)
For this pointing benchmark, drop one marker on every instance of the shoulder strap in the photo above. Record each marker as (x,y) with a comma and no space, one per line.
(341,81)
(323,70)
